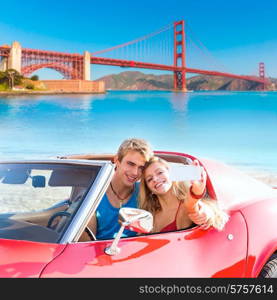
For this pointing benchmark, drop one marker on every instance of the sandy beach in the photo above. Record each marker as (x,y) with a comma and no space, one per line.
(265,177)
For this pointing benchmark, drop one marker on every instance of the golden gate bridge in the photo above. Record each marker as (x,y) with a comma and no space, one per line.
(147,52)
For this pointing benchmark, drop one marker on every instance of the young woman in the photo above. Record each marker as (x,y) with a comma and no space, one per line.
(177,205)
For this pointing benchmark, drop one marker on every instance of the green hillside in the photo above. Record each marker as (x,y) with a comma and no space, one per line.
(135,80)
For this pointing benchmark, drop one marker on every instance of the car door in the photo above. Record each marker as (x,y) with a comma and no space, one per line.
(185,253)
(25,258)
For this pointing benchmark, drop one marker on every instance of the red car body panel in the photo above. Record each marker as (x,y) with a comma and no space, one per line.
(186,253)
(24,258)
(262,238)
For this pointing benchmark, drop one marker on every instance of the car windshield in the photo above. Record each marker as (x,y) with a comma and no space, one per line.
(37,200)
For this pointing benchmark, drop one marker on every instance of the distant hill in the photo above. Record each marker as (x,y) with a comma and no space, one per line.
(135,80)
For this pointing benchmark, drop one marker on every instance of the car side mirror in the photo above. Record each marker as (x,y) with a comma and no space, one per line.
(135,219)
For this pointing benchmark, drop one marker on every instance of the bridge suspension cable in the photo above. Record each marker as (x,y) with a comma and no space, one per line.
(207,59)
(156,47)
(134,41)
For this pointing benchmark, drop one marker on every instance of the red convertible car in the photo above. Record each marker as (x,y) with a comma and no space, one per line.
(45,207)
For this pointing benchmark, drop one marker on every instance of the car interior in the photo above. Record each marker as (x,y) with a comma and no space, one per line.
(66,185)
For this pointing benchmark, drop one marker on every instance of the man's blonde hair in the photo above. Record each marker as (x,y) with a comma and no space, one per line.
(134,144)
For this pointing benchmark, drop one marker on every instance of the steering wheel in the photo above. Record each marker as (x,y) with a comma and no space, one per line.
(55,215)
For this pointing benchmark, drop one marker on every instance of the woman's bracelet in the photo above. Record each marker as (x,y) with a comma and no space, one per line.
(197,196)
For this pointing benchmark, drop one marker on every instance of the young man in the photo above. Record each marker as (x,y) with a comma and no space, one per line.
(123,189)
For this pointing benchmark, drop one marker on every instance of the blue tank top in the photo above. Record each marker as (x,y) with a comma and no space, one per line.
(107,217)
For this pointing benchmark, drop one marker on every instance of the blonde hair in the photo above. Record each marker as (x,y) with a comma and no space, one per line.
(150,202)
(220,216)
(134,144)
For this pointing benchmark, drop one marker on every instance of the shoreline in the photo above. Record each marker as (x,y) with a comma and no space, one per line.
(24,93)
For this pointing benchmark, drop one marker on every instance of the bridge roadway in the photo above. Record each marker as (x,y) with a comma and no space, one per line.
(134,64)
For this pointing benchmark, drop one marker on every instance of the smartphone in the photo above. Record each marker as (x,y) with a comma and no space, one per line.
(181,172)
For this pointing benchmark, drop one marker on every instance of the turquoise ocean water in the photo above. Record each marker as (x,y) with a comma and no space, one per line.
(239,128)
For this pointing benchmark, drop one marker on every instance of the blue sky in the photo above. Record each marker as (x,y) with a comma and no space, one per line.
(238,33)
